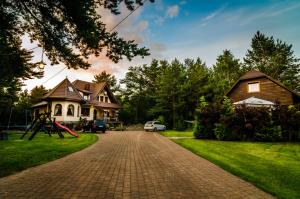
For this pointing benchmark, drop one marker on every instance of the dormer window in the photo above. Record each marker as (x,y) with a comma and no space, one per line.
(85,96)
(253,87)
(70,89)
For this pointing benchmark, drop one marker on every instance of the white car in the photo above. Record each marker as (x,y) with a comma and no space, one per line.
(154,126)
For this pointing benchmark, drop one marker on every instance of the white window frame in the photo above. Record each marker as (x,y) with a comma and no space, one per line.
(252,89)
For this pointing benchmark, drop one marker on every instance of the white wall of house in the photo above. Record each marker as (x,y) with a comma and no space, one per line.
(64,117)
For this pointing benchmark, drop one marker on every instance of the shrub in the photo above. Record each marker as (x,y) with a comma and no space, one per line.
(269,134)
(206,120)
(199,131)
(220,131)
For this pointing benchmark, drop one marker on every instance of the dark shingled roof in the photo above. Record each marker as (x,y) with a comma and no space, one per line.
(252,74)
(62,91)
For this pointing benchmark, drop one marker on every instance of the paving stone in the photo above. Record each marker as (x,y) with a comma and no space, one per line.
(128,165)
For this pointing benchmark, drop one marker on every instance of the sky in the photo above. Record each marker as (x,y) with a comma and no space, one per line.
(185,29)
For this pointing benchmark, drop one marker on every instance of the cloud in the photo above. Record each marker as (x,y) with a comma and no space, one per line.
(172,11)
(212,15)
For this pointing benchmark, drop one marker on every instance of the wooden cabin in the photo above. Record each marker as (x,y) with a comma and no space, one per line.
(255,84)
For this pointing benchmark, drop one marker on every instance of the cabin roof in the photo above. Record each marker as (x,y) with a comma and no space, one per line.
(253,74)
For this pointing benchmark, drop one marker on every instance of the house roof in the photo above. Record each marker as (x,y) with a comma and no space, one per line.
(64,90)
(253,74)
(94,89)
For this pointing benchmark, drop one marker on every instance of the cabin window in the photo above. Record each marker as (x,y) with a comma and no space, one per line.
(58,110)
(106,99)
(70,111)
(85,111)
(253,87)
(101,98)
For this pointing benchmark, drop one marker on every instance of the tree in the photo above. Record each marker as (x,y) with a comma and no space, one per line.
(170,96)
(68,31)
(275,58)
(108,78)
(37,93)
(226,72)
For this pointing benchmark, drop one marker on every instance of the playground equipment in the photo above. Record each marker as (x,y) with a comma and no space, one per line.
(44,123)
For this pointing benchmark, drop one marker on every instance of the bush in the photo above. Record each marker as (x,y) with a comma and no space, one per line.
(269,134)
(199,131)
(120,128)
(220,131)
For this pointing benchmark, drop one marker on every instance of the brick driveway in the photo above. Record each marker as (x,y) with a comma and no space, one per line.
(128,165)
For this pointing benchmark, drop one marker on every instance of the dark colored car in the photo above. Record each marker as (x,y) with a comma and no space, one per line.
(98,125)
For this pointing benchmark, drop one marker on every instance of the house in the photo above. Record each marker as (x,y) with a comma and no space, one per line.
(70,102)
(258,89)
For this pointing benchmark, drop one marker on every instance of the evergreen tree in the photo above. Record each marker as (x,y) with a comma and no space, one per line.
(275,58)
(225,73)
(37,93)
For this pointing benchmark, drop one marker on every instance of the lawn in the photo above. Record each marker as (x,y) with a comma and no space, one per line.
(274,167)
(17,154)
(173,133)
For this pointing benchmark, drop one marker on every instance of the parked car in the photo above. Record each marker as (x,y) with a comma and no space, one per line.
(94,126)
(98,125)
(154,126)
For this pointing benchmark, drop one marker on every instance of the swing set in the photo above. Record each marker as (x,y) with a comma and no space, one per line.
(44,123)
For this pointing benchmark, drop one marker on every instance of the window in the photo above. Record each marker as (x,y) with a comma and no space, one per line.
(70,111)
(98,98)
(253,87)
(106,99)
(58,110)
(85,111)
(101,98)
(77,111)
(85,96)
(70,89)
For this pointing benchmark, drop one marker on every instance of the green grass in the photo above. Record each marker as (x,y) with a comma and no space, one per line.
(173,133)
(274,167)
(17,154)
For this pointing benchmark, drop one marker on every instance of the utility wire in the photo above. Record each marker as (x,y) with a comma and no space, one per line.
(128,15)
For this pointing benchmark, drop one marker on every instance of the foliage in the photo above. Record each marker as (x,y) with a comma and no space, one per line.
(17,155)
(37,93)
(248,123)
(68,31)
(110,79)
(274,167)
(206,120)
(274,58)
(288,119)
(226,72)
